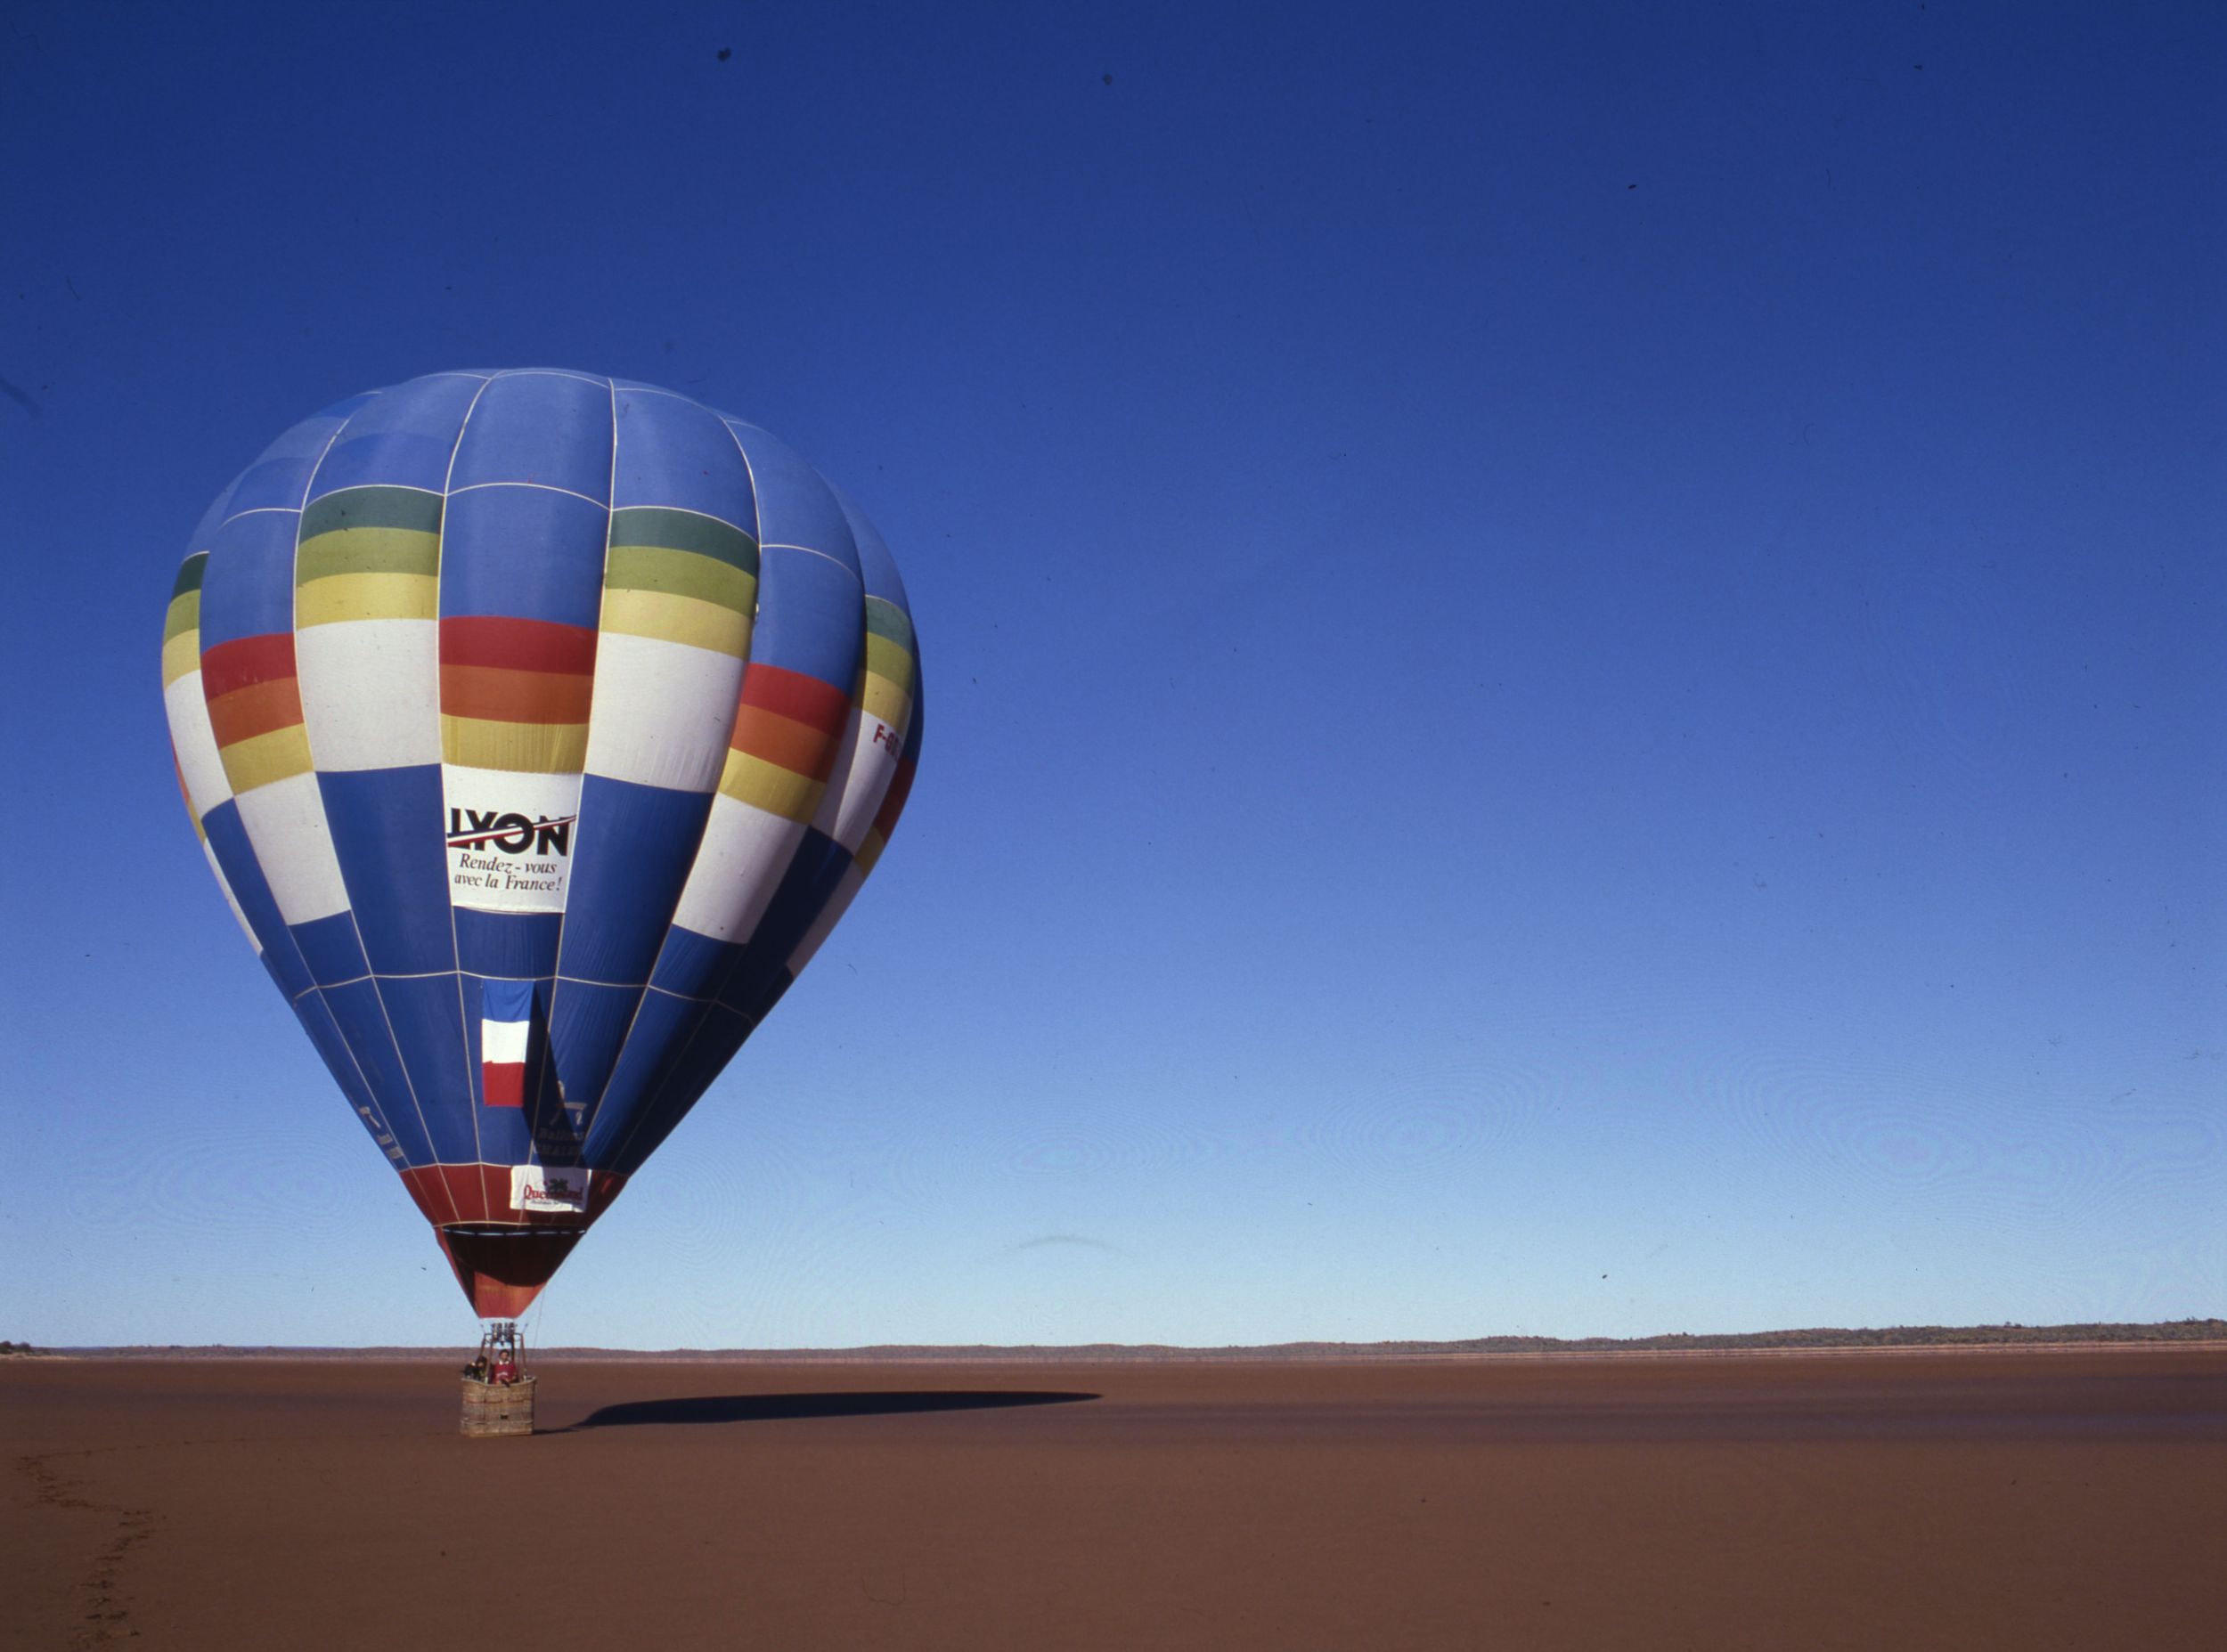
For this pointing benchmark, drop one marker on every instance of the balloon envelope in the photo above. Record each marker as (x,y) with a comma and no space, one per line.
(537,727)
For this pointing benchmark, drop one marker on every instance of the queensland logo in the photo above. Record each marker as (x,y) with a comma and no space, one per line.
(540,1187)
(513,833)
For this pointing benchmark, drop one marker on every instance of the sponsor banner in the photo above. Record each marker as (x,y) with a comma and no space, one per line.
(511,838)
(544,1187)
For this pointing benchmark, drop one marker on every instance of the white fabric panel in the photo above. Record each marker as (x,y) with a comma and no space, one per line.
(195,742)
(737,867)
(860,780)
(370,692)
(512,838)
(662,712)
(502,1042)
(286,822)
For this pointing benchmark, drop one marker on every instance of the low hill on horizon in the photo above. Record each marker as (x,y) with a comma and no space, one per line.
(1820,1339)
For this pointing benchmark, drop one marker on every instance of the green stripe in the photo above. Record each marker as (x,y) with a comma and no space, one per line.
(405,507)
(884,618)
(189,573)
(367,550)
(682,573)
(684,530)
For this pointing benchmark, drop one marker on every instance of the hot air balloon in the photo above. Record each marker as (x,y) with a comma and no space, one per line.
(538,727)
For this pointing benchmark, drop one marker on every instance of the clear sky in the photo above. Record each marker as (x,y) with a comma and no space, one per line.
(1576,651)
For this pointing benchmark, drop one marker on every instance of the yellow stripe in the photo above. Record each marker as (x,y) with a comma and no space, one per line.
(367,550)
(184,615)
(521,748)
(366,596)
(263,758)
(884,701)
(668,618)
(869,851)
(181,654)
(769,786)
(888,659)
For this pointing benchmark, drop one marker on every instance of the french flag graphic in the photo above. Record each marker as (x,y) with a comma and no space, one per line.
(506,1031)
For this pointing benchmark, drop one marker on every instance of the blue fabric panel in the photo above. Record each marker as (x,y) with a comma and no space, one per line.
(228,841)
(386,831)
(213,518)
(517,945)
(403,438)
(692,964)
(684,1076)
(636,845)
(280,478)
(324,1037)
(506,1000)
(809,616)
(550,427)
(876,567)
(774,990)
(361,1018)
(248,588)
(796,506)
(587,1025)
(662,1027)
(674,452)
(523,552)
(427,1016)
(331,949)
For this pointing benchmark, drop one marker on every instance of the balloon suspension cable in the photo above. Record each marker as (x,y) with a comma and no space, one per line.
(530,1327)
(501,1357)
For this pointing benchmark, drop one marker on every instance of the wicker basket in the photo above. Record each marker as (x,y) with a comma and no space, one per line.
(494,1409)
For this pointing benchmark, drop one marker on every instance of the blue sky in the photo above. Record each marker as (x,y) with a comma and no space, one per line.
(1576,651)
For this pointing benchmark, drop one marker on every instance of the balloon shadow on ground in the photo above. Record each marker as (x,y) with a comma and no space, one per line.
(791,1407)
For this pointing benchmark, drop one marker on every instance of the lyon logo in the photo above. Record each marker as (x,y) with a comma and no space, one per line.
(513,833)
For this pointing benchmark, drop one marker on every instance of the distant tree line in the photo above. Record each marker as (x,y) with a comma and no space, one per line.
(1820,1337)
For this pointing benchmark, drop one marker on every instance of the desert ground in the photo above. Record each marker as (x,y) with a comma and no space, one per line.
(2074,1500)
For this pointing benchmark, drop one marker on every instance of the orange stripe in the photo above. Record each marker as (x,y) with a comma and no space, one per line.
(493,694)
(246,712)
(796,746)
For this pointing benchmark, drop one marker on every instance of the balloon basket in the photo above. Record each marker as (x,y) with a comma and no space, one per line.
(494,1409)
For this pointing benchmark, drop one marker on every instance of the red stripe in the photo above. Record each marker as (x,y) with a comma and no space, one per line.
(503,1083)
(894,800)
(518,645)
(481,1193)
(794,695)
(247,662)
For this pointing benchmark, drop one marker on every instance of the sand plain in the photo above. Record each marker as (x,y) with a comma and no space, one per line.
(1944,1500)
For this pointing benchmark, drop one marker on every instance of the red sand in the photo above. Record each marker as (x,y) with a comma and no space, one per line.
(1951,1501)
